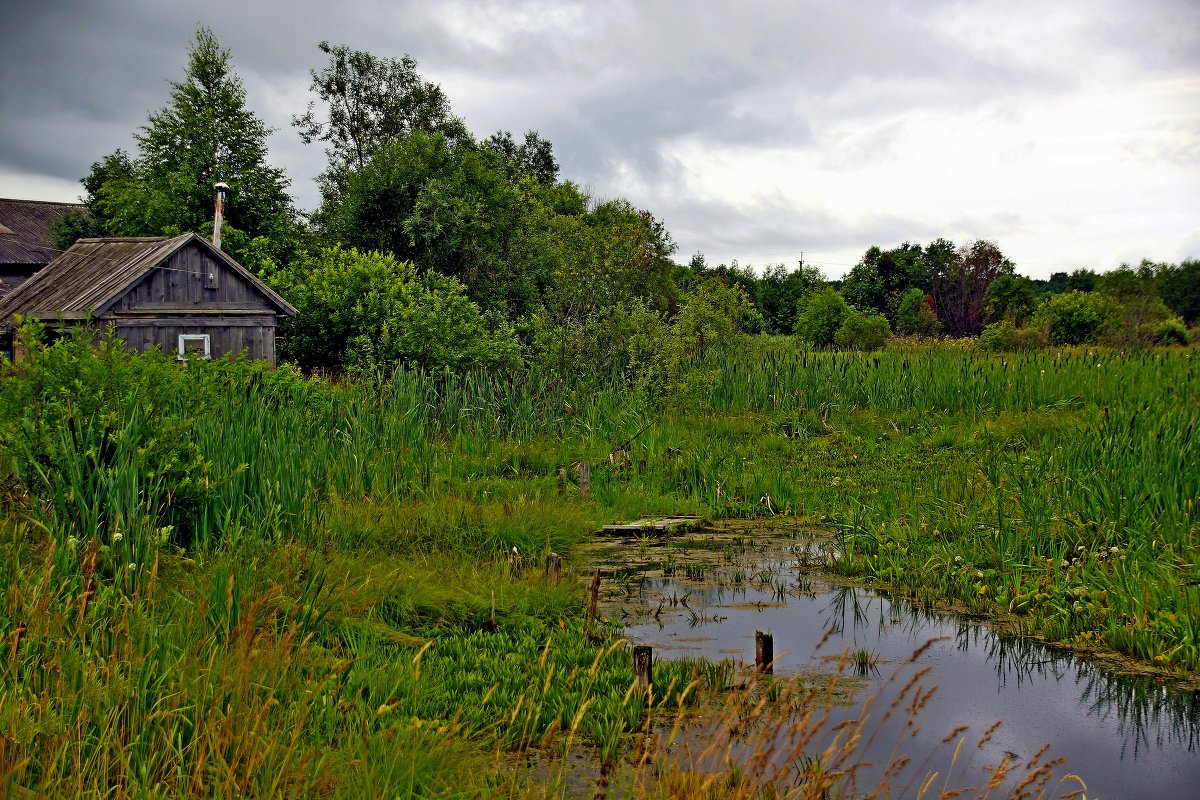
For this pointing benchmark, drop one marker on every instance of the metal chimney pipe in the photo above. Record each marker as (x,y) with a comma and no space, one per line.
(222,188)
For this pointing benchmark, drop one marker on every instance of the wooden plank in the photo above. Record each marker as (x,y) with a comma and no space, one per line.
(195,320)
(655,525)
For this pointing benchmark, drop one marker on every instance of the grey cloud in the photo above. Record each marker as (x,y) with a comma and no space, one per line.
(722,230)
(1162,35)
(612,84)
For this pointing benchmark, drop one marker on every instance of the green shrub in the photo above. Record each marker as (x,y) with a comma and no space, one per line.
(1076,317)
(820,316)
(367,311)
(863,330)
(916,315)
(1004,336)
(1171,331)
(713,319)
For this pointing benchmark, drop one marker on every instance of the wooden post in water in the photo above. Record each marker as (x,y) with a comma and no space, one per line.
(764,653)
(642,660)
(585,479)
(553,566)
(562,479)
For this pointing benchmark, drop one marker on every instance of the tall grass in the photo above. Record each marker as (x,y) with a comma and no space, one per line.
(219,579)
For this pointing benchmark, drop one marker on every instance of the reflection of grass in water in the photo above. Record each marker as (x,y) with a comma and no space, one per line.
(864,662)
(783,738)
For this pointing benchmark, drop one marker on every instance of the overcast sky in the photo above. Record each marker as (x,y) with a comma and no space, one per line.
(1066,132)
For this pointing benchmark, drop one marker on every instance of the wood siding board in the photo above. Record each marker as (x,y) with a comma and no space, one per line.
(187,320)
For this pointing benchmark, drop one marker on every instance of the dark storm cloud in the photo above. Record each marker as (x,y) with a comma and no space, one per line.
(612,85)
(740,77)
(677,68)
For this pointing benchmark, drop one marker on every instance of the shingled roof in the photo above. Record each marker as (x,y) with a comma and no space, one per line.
(95,273)
(25,225)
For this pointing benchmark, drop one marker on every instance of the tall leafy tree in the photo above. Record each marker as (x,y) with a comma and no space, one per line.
(881,277)
(205,134)
(1181,289)
(1136,290)
(1081,280)
(406,178)
(369,102)
(1011,297)
(532,158)
(445,205)
(960,281)
(780,292)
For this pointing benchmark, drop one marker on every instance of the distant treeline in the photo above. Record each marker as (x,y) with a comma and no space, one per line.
(969,290)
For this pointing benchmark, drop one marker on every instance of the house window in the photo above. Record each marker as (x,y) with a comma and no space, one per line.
(193,345)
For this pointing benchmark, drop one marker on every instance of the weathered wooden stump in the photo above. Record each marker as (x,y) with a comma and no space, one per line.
(585,479)
(553,566)
(643,659)
(593,599)
(764,653)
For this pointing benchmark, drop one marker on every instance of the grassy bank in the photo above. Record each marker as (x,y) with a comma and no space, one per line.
(225,580)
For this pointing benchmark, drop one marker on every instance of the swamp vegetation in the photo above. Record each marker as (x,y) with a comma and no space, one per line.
(222,580)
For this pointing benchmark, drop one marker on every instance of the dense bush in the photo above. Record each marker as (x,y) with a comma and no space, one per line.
(368,311)
(819,317)
(1171,331)
(1011,297)
(916,315)
(615,339)
(1004,336)
(713,318)
(863,330)
(1076,317)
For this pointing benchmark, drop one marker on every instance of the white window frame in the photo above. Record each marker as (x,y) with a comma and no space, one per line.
(194,338)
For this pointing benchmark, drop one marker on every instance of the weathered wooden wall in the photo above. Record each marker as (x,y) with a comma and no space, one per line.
(255,335)
(180,297)
(181,284)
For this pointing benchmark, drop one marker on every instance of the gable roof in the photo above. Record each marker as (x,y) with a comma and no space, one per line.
(25,230)
(95,273)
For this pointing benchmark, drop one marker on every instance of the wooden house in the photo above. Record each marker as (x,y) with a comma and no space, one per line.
(179,294)
(26,242)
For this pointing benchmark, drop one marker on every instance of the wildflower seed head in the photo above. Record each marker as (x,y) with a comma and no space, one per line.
(118,536)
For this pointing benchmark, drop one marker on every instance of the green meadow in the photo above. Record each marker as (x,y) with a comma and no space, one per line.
(223,580)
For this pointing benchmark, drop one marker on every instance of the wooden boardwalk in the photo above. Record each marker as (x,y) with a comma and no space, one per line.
(651,525)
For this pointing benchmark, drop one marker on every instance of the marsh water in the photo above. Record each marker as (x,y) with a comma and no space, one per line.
(706,593)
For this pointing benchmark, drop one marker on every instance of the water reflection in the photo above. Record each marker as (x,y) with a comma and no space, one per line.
(1146,712)
(1130,736)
